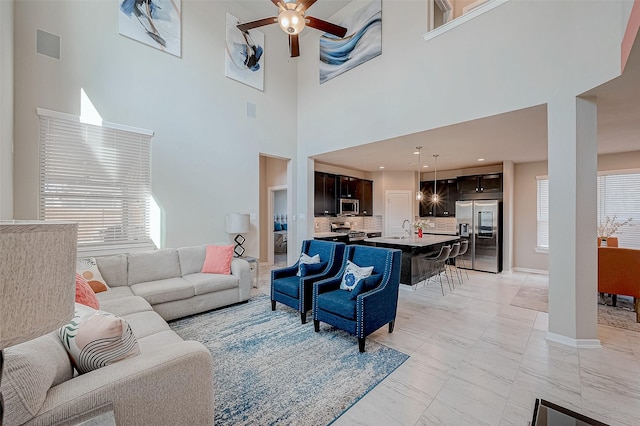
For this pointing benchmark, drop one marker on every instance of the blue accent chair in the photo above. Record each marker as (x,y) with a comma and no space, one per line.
(296,291)
(361,311)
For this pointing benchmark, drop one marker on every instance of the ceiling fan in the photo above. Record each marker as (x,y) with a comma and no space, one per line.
(292,20)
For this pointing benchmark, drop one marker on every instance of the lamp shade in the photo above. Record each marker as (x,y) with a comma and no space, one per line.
(37,278)
(238,223)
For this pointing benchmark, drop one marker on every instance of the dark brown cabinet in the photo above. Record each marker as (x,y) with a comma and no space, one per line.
(348,186)
(364,193)
(325,200)
(481,186)
(447,190)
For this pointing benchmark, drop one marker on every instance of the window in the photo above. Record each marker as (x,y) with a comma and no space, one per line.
(542,241)
(618,196)
(98,176)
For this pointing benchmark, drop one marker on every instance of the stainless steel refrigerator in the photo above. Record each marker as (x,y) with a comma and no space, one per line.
(480,221)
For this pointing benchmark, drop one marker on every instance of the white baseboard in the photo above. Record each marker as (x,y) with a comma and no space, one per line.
(530,271)
(575,343)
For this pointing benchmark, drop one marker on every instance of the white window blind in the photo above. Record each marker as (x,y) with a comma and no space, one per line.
(542,242)
(618,197)
(98,176)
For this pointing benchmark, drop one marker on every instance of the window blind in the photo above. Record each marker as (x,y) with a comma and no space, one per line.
(618,198)
(542,241)
(99,177)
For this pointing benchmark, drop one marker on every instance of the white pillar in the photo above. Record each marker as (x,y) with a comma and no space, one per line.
(508,185)
(573,275)
(6,109)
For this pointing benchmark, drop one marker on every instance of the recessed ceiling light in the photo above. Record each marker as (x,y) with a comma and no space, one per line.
(425,166)
(382,167)
(480,159)
(416,153)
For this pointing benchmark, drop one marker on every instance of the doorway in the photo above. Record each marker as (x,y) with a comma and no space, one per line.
(278,239)
(398,207)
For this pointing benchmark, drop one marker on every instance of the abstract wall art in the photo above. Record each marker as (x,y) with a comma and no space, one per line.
(244,55)
(362,42)
(156,23)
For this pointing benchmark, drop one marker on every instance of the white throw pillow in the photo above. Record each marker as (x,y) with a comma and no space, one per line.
(305,258)
(95,339)
(353,274)
(87,267)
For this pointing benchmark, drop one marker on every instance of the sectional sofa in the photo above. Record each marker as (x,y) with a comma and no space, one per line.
(169,383)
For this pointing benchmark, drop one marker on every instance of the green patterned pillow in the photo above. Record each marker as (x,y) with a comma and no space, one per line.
(95,339)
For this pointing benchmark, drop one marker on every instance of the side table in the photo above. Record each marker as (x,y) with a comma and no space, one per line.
(254,264)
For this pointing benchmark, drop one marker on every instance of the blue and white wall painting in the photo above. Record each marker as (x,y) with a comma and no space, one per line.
(244,55)
(156,23)
(362,42)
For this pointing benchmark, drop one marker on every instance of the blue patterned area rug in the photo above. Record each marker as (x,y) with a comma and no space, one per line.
(271,369)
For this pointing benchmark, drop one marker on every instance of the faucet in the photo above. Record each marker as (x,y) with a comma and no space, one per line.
(408,231)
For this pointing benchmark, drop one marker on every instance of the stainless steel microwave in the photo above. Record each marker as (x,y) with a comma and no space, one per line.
(349,206)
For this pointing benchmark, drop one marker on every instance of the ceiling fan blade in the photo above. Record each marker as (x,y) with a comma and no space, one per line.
(294,46)
(276,2)
(255,24)
(325,26)
(304,5)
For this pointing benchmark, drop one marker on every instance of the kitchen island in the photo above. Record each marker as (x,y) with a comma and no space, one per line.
(413,250)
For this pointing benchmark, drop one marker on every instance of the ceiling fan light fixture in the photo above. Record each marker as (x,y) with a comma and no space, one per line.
(291,21)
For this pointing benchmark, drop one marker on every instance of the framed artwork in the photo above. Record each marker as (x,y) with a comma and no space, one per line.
(156,23)
(362,42)
(244,54)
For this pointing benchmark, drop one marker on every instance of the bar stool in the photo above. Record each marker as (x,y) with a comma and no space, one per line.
(437,263)
(464,247)
(451,262)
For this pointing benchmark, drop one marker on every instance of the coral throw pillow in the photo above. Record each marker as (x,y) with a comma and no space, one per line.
(88,268)
(95,339)
(85,294)
(218,260)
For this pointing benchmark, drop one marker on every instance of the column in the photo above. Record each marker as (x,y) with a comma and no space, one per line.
(573,256)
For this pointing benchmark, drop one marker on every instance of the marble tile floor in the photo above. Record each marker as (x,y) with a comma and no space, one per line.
(477,360)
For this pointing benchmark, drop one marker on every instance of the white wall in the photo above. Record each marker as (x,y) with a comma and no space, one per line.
(205,155)
(416,85)
(6,109)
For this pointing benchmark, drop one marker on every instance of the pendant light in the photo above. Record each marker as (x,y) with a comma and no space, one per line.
(419,194)
(434,197)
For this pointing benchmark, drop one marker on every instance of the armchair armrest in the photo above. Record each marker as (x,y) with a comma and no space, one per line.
(327,285)
(172,386)
(284,272)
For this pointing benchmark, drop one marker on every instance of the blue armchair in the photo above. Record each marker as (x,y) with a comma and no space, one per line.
(371,304)
(296,291)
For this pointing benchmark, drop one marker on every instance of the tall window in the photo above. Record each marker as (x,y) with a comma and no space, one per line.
(542,243)
(98,176)
(618,197)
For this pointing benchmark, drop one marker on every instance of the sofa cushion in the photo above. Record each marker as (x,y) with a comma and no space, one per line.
(365,285)
(191,259)
(95,339)
(146,323)
(161,291)
(88,269)
(353,274)
(153,265)
(113,269)
(125,305)
(209,283)
(288,285)
(30,369)
(307,269)
(157,342)
(85,294)
(338,302)
(114,293)
(218,260)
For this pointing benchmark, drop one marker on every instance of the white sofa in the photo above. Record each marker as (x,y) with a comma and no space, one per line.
(169,383)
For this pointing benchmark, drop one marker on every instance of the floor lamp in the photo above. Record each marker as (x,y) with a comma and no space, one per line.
(238,223)
(37,281)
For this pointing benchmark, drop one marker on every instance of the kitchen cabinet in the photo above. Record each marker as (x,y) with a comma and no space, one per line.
(344,238)
(325,200)
(447,196)
(348,186)
(364,193)
(480,186)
